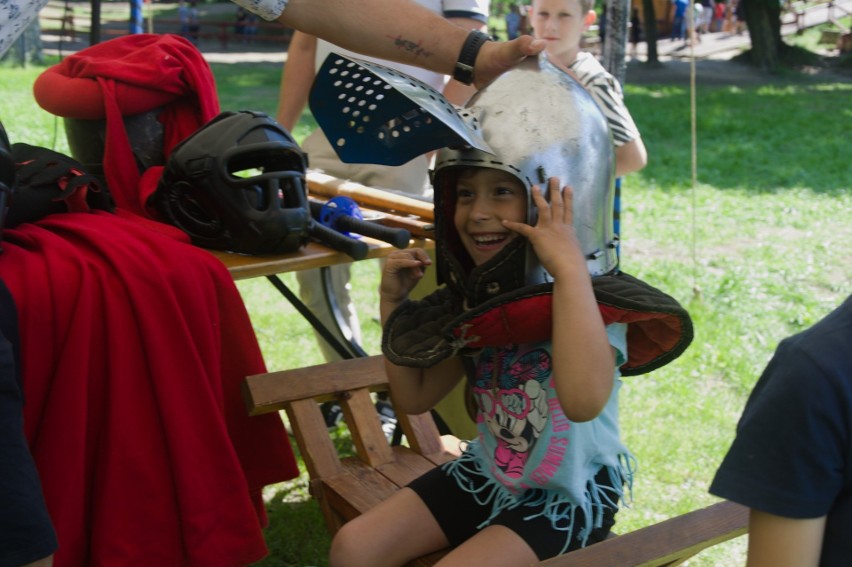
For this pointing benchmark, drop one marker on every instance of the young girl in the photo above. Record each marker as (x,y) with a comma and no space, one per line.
(532,400)
(548,468)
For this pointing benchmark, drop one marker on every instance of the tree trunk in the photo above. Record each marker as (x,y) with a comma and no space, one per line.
(650,24)
(615,41)
(763,18)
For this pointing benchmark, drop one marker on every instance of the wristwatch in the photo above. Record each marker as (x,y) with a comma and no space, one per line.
(463,71)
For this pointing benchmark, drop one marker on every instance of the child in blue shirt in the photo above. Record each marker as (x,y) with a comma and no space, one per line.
(525,247)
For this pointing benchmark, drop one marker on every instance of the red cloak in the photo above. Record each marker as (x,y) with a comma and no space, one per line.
(134,347)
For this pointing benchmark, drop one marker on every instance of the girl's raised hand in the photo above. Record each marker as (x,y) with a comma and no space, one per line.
(402,270)
(553,237)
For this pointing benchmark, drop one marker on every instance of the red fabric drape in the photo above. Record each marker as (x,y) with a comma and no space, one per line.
(135,343)
(126,76)
(134,347)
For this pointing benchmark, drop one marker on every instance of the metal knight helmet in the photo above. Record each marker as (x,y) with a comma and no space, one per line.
(539,123)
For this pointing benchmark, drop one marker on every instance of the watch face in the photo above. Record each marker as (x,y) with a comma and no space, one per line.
(463,73)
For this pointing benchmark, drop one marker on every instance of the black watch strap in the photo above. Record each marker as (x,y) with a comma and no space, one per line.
(463,71)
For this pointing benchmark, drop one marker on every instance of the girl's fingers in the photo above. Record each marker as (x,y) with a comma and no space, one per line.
(551,208)
(410,254)
(555,193)
(541,204)
(567,197)
(519,227)
(411,259)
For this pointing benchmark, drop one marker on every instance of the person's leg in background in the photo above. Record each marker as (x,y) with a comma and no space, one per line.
(312,295)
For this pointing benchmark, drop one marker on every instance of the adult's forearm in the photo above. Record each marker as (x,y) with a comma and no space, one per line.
(401,30)
(456,92)
(397,30)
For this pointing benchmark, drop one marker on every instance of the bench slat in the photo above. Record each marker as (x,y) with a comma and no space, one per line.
(317,449)
(664,543)
(363,421)
(265,393)
(406,466)
(350,493)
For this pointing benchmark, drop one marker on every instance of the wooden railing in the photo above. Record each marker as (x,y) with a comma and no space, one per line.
(223,32)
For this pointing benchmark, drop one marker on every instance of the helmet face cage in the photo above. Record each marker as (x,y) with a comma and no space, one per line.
(238,184)
(540,123)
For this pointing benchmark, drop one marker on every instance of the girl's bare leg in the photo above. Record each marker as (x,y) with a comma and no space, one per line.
(399,529)
(495,546)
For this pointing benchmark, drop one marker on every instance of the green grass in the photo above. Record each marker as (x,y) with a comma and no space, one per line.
(757,250)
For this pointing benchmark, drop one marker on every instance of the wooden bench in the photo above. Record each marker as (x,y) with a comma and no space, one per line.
(347,487)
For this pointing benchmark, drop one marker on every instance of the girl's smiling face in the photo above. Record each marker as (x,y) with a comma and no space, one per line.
(484,198)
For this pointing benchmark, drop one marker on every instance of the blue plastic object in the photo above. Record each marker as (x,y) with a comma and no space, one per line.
(338,207)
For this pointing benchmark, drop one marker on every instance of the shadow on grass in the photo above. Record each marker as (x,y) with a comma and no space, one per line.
(296,535)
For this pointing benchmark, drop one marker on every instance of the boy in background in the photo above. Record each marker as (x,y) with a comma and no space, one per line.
(561,24)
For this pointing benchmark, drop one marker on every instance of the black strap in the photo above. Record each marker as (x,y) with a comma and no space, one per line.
(463,71)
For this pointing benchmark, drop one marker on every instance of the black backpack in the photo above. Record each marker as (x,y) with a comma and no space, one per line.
(49,182)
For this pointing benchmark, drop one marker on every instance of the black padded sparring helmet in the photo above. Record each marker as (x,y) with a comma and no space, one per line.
(238,183)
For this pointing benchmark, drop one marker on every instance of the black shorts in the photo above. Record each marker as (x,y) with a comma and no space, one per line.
(459,515)
(26,532)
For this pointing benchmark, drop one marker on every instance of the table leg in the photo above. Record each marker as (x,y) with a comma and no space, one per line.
(345,350)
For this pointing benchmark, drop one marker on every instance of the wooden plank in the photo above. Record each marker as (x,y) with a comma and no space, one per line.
(265,393)
(423,437)
(421,432)
(418,228)
(664,543)
(406,466)
(312,255)
(329,187)
(363,421)
(315,444)
(356,489)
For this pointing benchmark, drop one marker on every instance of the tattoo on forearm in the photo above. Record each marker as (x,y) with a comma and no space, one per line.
(411,47)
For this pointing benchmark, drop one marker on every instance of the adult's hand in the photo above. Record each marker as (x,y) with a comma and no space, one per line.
(496,57)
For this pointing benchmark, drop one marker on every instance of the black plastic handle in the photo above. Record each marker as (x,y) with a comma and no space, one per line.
(356,249)
(396,237)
